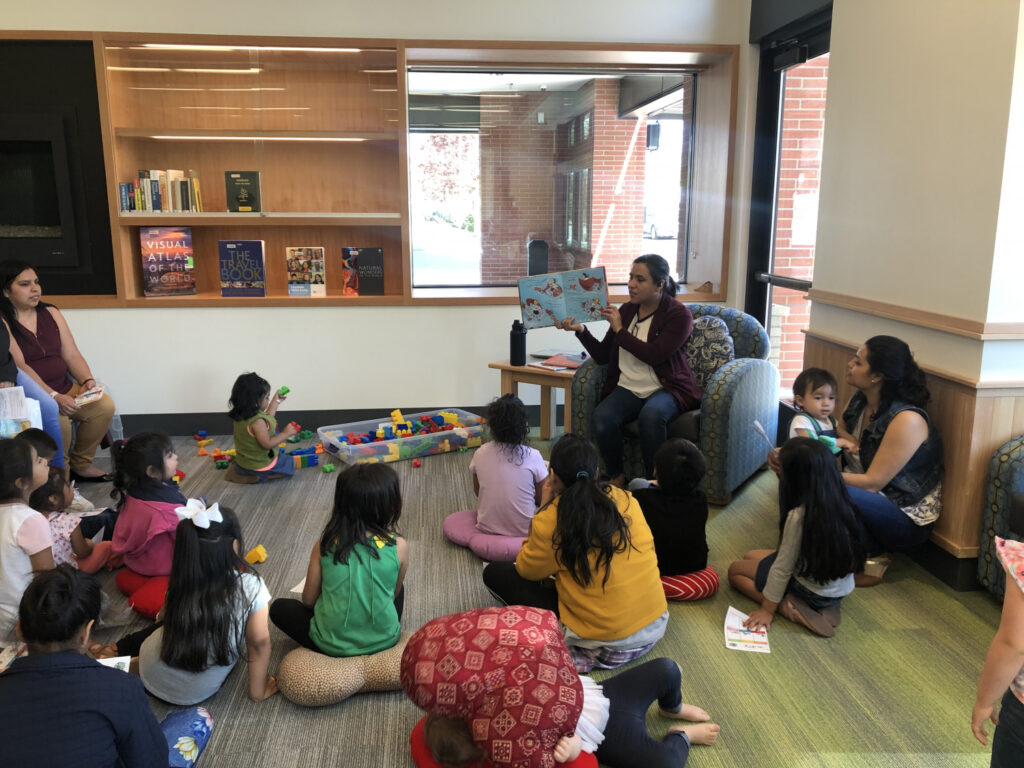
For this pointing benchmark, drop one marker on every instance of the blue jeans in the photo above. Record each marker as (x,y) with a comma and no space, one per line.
(884,527)
(622,407)
(50,411)
(813,599)
(1008,741)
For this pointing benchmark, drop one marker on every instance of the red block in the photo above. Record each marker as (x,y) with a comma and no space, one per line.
(416,463)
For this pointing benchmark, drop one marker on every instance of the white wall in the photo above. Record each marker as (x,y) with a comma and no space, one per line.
(915,143)
(365,357)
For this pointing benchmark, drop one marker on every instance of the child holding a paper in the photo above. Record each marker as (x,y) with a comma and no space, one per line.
(819,547)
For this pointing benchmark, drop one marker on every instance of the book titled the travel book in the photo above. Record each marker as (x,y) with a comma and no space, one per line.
(167,264)
(363,271)
(242,269)
(548,299)
(243,191)
(306,270)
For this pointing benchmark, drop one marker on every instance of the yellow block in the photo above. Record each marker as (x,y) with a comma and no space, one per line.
(257,554)
(396,416)
(203,443)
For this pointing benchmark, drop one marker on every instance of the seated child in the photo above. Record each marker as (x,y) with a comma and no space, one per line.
(533,702)
(216,608)
(69,544)
(508,477)
(253,410)
(814,393)
(60,708)
(146,522)
(677,512)
(25,540)
(352,600)
(819,550)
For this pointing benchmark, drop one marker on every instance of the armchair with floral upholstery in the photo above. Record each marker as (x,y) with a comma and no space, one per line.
(728,352)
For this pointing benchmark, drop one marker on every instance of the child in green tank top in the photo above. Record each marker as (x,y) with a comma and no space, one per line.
(352,600)
(253,410)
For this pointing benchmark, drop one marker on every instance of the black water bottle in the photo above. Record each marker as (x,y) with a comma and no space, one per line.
(517,344)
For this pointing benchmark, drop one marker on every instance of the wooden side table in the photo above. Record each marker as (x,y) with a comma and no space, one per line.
(514,375)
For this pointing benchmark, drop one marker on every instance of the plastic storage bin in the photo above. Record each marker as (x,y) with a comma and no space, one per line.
(470,434)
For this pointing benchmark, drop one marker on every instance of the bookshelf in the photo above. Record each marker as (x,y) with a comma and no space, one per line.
(319,119)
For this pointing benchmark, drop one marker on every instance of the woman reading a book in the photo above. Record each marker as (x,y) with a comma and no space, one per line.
(45,351)
(649,378)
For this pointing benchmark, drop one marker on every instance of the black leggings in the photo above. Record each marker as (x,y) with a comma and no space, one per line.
(130,645)
(626,740)
(91,524)
(504,582)
(292,617)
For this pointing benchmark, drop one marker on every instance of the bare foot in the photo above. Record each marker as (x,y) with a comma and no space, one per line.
(686,712)
(704,733)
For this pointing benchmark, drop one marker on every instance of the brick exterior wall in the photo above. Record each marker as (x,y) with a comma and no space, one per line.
(799,167)
(522,195)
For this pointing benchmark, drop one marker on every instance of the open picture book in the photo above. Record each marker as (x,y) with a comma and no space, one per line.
(548,299)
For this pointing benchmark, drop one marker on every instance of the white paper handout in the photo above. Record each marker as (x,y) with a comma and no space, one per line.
(117,662)
(300,586)
(12,403)
(739,639)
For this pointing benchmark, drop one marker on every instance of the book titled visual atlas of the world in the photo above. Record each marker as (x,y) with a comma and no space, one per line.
(167,264)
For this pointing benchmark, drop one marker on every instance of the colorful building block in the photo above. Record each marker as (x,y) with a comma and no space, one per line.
(306,434)
(396,416)
(203,452)
(416,463)
(327,468)
(222,464)
(257,554)
(283,392)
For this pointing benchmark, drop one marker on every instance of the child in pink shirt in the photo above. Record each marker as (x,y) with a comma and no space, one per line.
(508,476)
(146,521)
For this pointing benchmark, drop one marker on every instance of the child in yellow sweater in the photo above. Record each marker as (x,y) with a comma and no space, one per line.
(592,538)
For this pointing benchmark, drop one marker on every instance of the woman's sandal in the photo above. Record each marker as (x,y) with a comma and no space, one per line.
(106,477)
(874,570)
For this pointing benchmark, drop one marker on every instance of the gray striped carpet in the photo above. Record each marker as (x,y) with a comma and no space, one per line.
(893,688)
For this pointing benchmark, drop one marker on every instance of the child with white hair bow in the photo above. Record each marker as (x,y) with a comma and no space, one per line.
(216,605)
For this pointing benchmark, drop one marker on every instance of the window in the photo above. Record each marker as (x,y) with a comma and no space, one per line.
(501,161)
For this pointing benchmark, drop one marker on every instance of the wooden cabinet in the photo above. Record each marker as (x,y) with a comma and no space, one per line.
(322,121)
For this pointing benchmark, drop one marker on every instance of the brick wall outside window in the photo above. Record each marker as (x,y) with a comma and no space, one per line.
(799,167)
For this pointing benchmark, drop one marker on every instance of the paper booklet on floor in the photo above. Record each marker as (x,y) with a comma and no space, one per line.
(739,639)
(117,662)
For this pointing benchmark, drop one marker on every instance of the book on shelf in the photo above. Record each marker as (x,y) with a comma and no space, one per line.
(242,189)
(242,268)
(161,191)
(363,271)
(548,299)
(306,267)
(167,261)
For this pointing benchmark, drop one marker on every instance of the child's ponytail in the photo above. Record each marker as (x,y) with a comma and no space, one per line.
(588,518)
(204,596)
(15,464)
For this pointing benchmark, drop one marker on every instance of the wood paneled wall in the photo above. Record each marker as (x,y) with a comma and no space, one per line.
(973,420)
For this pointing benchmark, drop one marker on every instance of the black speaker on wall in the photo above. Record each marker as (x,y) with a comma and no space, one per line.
(53,192)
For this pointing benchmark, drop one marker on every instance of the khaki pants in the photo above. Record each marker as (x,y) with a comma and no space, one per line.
(93,422)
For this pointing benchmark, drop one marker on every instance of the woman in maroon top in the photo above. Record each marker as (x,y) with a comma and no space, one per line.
(649,378)
(43,347)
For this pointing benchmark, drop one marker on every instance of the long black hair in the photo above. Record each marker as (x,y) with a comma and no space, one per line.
(659,270)
(509,424)
(831,546)
(133,457)
(902,379)
(205,597)
(367,502)
(9,271)
(15,464)
(248,390)
(589,521)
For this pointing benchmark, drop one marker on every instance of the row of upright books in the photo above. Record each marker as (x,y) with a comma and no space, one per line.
(168,266)
(162,191)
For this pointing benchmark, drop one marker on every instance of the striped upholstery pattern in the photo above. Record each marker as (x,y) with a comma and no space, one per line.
(691,586)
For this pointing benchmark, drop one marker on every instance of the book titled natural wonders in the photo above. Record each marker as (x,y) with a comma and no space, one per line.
(167,263)
(242,270)
(363,271)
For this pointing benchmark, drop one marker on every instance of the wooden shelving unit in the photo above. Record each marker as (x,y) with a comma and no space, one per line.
(321,120)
